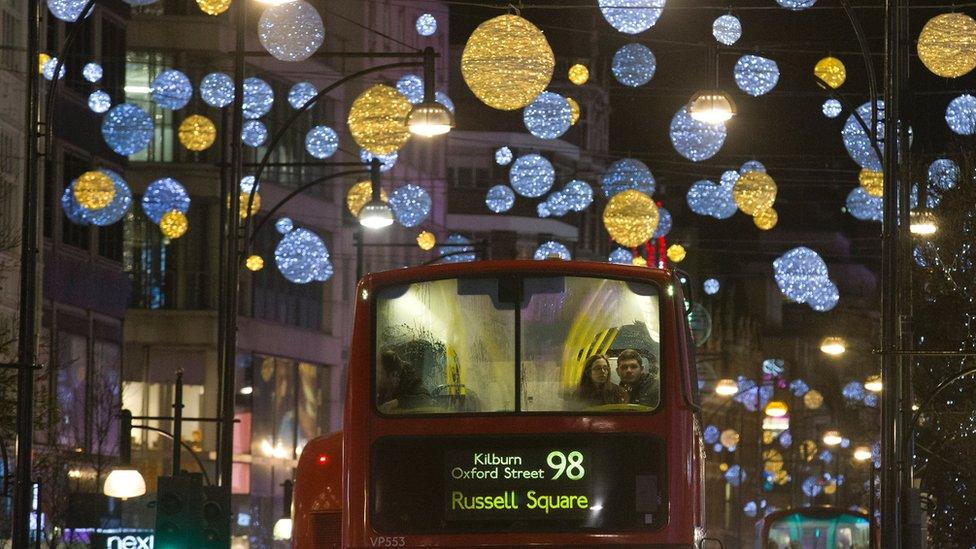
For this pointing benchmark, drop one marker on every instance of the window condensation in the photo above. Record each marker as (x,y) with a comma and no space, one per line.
(141,68)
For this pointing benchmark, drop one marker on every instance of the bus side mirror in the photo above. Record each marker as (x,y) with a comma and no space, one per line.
(710,543)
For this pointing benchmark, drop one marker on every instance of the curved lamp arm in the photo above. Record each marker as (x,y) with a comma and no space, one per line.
(184,445)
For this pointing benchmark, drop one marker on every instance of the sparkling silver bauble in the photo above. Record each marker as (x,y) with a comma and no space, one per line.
(171,89)
(412,87)
(831,108)
(960,114)
(99,101)
(254,133)
(426,25)
(410,204)
(503,156)
(500,198)
(634,65)
(693,139)
(631,16)
(217,89)
(292,31)
(548,116)
(550,249)
(301,93)
(127,129)
(531,175)
(727,29)
(258,98)
(627,173)
(92,72)
(756,75)
(944,173)
(321,142)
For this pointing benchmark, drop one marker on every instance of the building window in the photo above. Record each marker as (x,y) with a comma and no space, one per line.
(145,259)
(10,31)
(141,68)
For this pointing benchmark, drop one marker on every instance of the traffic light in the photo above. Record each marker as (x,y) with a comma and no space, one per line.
(179,511)
(216,517)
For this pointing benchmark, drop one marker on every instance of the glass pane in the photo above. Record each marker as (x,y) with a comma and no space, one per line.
(72,371)
(309,402)
(445,346)
(798,531)
(568,320)
(284,408)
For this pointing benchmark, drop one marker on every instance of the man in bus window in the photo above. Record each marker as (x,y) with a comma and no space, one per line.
(640,386)
(399,386)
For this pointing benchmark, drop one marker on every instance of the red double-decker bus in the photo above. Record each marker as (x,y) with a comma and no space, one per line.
(511,403)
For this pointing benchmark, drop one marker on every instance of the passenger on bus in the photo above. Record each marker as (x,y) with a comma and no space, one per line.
(595,387)
(640,387)
(399,385)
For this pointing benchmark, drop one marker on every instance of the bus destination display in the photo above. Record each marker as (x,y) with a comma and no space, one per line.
(528,483)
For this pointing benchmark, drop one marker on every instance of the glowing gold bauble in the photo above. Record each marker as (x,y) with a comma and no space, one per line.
(42,59)
(871,181)
(254,263)
(729,438)
(723,467)
(197,133)
(754,192)
(947,44)
(813,399)
(830,487)
(781,477)
(94,190)
(426,240)
(772,460)
(255,205)
(574,110)
(579,74)
(832,71)
(173,224)
(378,120)
(638,261)
(808,450)
(676,253)
(213,7)
(630,217)
(507,62)
(359,195)
(768,437)
(766,219)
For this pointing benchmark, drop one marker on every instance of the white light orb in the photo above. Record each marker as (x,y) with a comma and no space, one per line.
(796,5)
(551,250)
(426,25)
(301,93)
(410,204)
(217,89)
(68,10)
(579,195)
(960,114)
(292,31)
(727,29)
(634,65)
(664,223)
(99,101)
(831,108)
(162,196)
(756,75)
(301,256)
(48,69)
(321,142)
(863,206)
(387,161)
(92,72)
(127,129)
(627,173)
(558,204)
(247,184)
(693,139)
(443,99)
(284,225)
(503,156)
(500,198)
(171,89)
(254,133)
(412,87)
(531,175)
(258,98)
(548,116)
(621,256)
(752,166)
(857,143)
(631,16)
(802,276)
(944,173)
(711,286)
(542,209)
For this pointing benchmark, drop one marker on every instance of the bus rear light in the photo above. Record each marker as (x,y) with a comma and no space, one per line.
(323,459)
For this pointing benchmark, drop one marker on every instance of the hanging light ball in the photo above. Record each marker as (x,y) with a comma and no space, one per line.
(579,74)
(579,195)
(634,65)
(301,93)
(711,287)
(801,275)
(115,209)
(621,256)
(727,29)
(944,173)
(68,10)
(42,59)
(500,198)
(456,249)
(258,98)
(631,16)
(164,195)
(630,217)
(127,129)
(48,69)
(72,210)
(832,71)
(301,257)
(321,141)
(217,89)
(410,204)
(412,87)
(387,161)
(247,184)
(531,175)
(754,192)
(676,253)
(756,75)
(813,399)
(503,156)
(627,173)
(291,31)
(706,198)
(857,143)
(93,190)
(548,116)
(693,139)
(426,25)
(947,45)
(663,224)
(729,438)
(864,206)
(213,7)
(254,133)
(360,194)
(639,261)
(871,181)
(766,219)
(426,240)
(92,72)
(254,263)
(173,224)
(831,108)
(245,200)
(752,166)
(99,101)
(557,204)
(961,115)
(284,225)
(378,119)
(507,62)
(574,110)
(197,133)
(171,89)
(796,5)
(552,250)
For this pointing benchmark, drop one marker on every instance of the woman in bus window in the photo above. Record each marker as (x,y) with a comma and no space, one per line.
(595,387)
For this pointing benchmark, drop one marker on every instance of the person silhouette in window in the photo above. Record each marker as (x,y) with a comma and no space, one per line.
(640,386)
(595,387)
(399,385)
